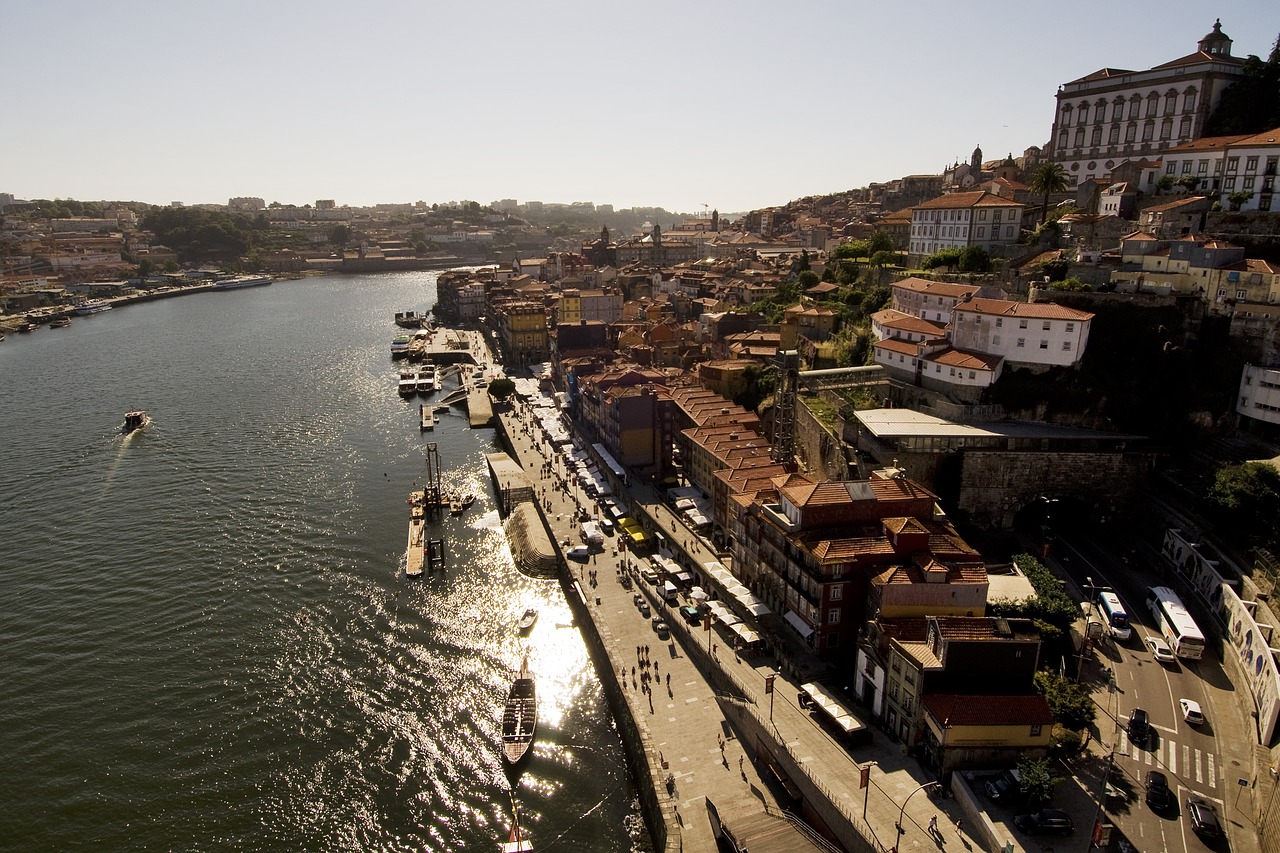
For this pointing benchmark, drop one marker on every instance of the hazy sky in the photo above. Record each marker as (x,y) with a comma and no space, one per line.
(735,105)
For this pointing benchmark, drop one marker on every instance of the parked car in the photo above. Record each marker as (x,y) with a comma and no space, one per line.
(1160,650)
(691,614)
(579,552)
(1159,797)
(1005,786)
(1204,820)
(1045,821)
(1138,727)
(1191,711)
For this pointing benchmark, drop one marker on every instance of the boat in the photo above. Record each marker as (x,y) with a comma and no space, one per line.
(134,420)
(427,419)
(415,553)
(426,381)
(28,327)
(93,306)
(60,323)
(456,507)
(408,319)
(527,619)
(520,716)
(408,384)
(467,500)
(400,345)
(238,281)
(516,841)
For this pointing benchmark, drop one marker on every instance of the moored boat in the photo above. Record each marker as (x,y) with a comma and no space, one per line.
(239,281)
(520,716)
(527,619)
(60,323)
(408,384)
(137,419)
(516,841)
(93,306)
(408,319)
(426,381)
(456,507)
(415,553)
(400,345)
(28,327)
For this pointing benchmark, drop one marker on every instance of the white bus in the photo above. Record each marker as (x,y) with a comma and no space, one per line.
(1175,623)
(1113,613)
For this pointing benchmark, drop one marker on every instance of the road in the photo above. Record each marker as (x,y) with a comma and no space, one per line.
(1192,758)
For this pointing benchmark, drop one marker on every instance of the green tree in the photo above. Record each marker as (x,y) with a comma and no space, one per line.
(1071,285)
(880,241)
(883,258)
(1244,501)
(339,235)
(1035,782)
(974,259)
(1188,183)
(1048,178)
(1238,198)
(1069,702)
(502,388)
(807,279)
(852,250)
(942,258)
(1251,104)
(1166,182)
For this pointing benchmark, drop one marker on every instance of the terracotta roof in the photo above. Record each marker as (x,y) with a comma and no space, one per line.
(1207,143)
(898,345)
(1009,308)
(968,360)
(952,710)
(1102,74)
(1200,58)
(936,288)
(1173,205)
(980,198)
(895,319)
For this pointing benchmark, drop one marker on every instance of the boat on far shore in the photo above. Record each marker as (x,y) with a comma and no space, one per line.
(93,306)
(60,323)
(238,281)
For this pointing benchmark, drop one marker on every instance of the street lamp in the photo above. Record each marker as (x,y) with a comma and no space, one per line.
(902,811)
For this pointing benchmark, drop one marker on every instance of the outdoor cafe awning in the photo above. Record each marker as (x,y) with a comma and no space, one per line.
(802,627)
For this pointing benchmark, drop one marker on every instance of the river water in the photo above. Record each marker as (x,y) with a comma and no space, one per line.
(208,642)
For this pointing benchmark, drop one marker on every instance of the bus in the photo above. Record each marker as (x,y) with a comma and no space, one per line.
(1113,613)
(1175,623)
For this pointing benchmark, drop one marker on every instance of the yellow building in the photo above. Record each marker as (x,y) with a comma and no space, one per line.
(965,731)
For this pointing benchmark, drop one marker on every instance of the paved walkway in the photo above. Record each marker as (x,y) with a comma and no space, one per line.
(684,725)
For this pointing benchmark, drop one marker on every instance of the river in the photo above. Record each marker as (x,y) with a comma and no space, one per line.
(208,640)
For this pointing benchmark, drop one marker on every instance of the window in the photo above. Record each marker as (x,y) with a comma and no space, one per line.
(1066,346)
(1096,136)
(837,593)
(1071,327)
(1113,136)
(1044,344)
(906,705)
(972,375)
(1229,184)
(1186,167)
(995,340)
(1233,163)
(982,232)
(1239,294)
(1170,168)
(1045,327)
(1184,127)
(1248,182)
(1251,164)
(833,616)
(1202,167)
(1022,342)
(1022,324)
(1035,730)
(1131,133)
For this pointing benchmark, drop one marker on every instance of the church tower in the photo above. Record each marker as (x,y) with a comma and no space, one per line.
(1216,43)
(715,221)
(975,162)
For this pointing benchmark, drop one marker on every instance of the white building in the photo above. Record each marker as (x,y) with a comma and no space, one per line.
(1260,394)
(1038,334)
(933,300)
(1224,165)
(960,220)
(1113,115)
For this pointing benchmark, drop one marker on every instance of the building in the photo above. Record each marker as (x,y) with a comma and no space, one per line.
(961,220)
(1258,403)
(1025,334)
(1223,166)
(1114,115)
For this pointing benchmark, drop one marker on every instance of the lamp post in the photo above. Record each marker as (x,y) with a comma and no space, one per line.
(902,811)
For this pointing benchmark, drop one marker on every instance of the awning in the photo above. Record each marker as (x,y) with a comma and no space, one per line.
(802,627)
(684,577)
(698,594)
(722,613)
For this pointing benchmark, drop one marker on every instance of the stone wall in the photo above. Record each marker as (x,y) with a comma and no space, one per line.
(995,485)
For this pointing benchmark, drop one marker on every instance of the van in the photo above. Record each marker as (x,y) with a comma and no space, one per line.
(670,593)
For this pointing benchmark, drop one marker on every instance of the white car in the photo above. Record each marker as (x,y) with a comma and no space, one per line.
(1160,650)
(1191,711)
(578,552)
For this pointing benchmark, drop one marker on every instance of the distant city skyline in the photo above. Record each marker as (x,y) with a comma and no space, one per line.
(681,106)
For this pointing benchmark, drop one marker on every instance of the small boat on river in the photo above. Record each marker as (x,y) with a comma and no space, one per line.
(60,323)
(527,620)
(400,345)
(93,306)
(408,384)
(408,319)
(520,716)
(134,420)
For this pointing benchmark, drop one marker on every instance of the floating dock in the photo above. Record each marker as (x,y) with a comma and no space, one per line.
(427,419)
(415,553)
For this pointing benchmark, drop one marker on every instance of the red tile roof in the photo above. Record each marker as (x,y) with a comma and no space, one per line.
(952,201)
(952,710)
(1009,308)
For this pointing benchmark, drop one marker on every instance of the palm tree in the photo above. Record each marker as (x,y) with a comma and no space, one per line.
(1047,179)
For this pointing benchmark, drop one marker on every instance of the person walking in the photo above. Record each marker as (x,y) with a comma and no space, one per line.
(933,825)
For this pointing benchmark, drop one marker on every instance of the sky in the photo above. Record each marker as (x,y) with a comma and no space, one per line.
(687,105)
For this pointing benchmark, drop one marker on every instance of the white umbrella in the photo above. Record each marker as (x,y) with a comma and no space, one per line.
(698,594)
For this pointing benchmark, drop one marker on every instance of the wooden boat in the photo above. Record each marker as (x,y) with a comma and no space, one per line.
(134,420)
(28,327)
(456,507)
(427,419)
(526,621)
(415,554)
(60,323)
(520,716)
(408,319)
(516,841)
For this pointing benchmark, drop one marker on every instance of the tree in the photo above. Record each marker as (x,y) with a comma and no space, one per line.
(1245,500)
(807,279)
(339,235)
(974,259)
(883,258)
(852,250)
(1047,179)
(1069,702)
(1166,182)
(1188,183)
(1251,104)
(1238,198)
(1035,783)
(880,242)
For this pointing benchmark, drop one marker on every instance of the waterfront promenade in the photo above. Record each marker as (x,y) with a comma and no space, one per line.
(705,723)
